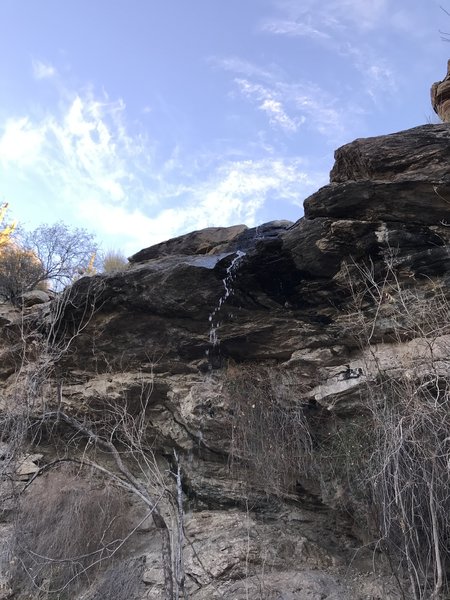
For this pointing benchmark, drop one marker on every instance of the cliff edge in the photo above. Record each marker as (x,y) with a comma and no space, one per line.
(241,381)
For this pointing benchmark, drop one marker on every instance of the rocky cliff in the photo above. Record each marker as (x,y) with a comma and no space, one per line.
(238,375)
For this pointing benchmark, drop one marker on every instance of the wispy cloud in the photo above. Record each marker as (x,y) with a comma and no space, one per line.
(242,67)
(82,157)
(293,28)
(86,144)
(295,104)
(235,192)
(42,70)
(377,75)
(241,188)
(99,175)
(363,14)
(21,142)
(328,18)
(343,28)
(269,101)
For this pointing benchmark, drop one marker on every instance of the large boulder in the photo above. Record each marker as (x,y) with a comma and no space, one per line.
(206,241)
(420,153)
(212,241)
(34,297)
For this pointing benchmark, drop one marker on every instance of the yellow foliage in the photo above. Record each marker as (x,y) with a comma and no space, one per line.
(90,269)
(6,232)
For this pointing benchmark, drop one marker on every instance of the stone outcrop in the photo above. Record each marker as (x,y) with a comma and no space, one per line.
(440,97)
(34,297)
(279,298)
(212,241)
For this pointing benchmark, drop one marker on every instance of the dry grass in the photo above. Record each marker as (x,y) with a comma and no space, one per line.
(67,525)
(121,581)
(114,261)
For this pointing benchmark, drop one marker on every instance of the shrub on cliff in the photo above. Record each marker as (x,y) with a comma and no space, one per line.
(114,261)
(112,445)
(271,433)
(20,272)
(405,473)
(6,229)
(55,254)
(83,522)
(386,463)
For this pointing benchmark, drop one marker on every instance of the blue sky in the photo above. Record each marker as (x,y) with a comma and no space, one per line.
(145,119)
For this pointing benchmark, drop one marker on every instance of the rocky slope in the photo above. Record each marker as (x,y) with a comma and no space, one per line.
(209,334)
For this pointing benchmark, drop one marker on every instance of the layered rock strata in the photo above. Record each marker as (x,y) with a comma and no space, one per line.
(289,306)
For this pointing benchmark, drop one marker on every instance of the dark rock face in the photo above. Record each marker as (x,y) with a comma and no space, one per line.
(206,241)
(277,296)
(212,241)
(415,154)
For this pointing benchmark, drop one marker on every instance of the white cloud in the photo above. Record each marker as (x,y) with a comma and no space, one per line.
(293,28)
(278,116)
(241,66)
(378,77)
(350,29)
(21,142)
(329,17)
(94,173)
(308,105)
(363,14)
(295,104)
(83,157)
(43,70)
(235,192)
(269,102)
(92,144)
(241,188)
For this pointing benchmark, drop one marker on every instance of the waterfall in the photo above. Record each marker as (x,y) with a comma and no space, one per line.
(228,290)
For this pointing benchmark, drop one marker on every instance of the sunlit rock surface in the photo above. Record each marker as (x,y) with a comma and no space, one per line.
(440,96)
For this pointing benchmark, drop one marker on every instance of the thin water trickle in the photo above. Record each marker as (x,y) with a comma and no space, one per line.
(228,290)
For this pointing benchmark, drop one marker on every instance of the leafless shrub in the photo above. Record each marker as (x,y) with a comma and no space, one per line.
(120,581)
(66,526)
(405,474)
(408,475)
(271,437)
(389,303)
(387,463)
(51,255)
(344,446)
(20,271)
(61,251)
(116,441)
